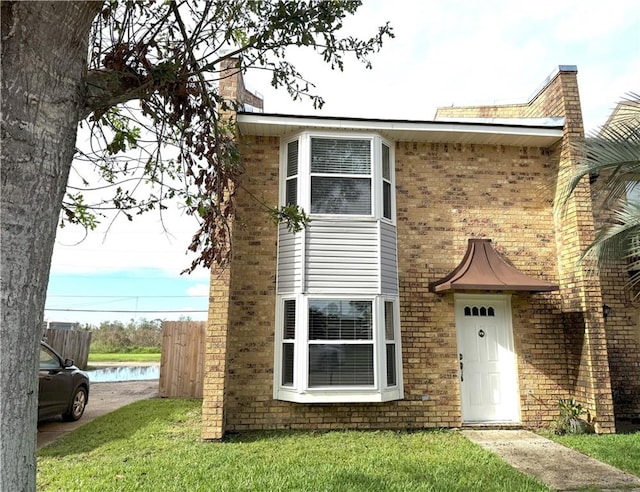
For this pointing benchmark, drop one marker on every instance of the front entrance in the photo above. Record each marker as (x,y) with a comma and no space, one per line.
(488,375)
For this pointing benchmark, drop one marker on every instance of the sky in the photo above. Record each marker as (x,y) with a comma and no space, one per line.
(449,52)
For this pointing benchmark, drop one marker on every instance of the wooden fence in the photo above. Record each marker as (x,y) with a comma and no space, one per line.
(70,344)
(182,360)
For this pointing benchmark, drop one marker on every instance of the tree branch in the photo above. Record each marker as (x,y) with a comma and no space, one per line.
(108,88)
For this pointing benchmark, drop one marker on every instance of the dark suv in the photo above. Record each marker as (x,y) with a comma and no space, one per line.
(63,388)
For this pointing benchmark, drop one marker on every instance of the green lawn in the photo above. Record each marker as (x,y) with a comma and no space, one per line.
(154,445)
(619,450)
(122,357)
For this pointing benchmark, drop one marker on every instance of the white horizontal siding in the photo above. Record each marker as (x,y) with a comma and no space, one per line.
(289,261)
(388,258)
(342,257)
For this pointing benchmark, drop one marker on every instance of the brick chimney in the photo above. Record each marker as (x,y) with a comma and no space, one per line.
(233,90)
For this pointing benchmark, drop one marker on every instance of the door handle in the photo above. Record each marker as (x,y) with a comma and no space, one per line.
(461,369)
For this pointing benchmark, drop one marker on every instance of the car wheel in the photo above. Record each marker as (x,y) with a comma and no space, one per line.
(78,403)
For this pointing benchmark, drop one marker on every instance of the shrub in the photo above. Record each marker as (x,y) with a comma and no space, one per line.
(571,420)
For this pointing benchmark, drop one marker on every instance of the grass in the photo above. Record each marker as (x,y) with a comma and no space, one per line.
(123,357)
(154,445)
(619,450)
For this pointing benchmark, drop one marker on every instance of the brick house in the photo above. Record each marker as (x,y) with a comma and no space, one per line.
(434,286)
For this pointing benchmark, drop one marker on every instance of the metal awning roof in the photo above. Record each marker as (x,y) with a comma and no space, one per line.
(482,268)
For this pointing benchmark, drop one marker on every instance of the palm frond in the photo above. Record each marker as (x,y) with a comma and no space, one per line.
(610,156)
(619,241)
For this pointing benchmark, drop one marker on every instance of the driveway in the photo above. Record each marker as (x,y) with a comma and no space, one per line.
(103,398)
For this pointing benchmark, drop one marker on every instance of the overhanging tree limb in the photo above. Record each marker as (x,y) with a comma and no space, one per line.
(164,69)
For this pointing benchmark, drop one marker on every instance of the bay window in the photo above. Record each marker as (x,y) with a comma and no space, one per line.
(337,336)
(339,175)
(338,350)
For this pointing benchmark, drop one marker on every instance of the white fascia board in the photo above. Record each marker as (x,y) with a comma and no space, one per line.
(557,121)
(284,124)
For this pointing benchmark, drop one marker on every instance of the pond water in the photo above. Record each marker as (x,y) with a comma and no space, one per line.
(124,373)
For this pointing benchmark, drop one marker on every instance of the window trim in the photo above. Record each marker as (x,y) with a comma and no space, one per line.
(300,392)
(390,181)
(287,341)
(367,342)
(293,177)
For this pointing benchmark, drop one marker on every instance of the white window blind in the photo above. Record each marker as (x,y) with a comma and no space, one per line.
(340,343)
(340,156)
(349,196)
(292,174)
(335,163)
(288,342)
(389,335)
(386,183)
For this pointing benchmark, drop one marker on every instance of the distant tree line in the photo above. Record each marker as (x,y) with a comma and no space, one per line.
(141,336)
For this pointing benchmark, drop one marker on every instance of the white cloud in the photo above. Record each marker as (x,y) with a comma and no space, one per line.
(122,245)
(198,290)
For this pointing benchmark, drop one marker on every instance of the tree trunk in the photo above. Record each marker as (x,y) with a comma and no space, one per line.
(44,63)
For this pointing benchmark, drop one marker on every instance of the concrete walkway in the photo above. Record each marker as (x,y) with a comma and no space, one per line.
(557,466)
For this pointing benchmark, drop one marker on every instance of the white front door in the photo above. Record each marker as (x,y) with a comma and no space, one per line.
(488,377)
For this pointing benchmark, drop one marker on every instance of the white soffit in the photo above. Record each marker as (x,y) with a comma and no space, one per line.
(537,132)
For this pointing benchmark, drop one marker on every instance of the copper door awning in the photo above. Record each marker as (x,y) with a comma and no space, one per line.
(482,268)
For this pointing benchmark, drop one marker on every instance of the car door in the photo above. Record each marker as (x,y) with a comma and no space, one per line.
(54,385)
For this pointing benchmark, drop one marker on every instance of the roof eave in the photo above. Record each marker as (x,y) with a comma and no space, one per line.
(542,132)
